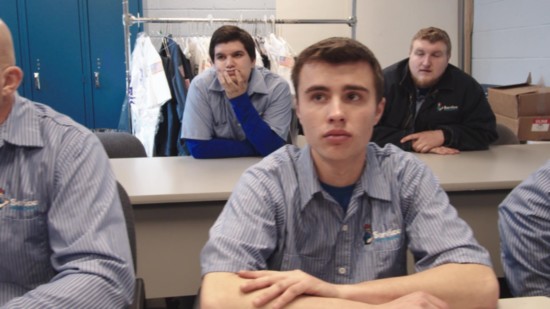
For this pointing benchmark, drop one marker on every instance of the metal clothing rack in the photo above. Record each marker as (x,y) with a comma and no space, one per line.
(129,20)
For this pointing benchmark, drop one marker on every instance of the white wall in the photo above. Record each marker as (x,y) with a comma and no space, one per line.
(300,36)
(511,38)
(384,26)
(201,9)
(388,26)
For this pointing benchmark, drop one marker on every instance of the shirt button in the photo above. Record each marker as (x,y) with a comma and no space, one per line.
(342,270)
(345,228)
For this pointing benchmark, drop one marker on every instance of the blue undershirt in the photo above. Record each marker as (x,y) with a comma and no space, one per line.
(260,139)
(341,194)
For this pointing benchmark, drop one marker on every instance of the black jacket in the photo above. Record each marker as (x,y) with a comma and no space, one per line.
(456,104)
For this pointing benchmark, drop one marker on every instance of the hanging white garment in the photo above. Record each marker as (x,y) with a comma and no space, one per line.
(148,91)
(205,61)
(281,56)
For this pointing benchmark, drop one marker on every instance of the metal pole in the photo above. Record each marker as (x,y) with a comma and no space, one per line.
(354,16)
(126,22)
(350,21)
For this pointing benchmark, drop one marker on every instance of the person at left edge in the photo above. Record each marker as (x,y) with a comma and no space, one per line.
(235,109)
(63,239)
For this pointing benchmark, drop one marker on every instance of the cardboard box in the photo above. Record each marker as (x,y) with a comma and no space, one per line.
(520,100)
(533,128)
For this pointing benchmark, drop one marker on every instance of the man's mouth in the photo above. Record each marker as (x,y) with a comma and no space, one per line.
(337,135)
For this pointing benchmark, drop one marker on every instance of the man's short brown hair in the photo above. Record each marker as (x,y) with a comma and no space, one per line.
(339,50)
(432,35)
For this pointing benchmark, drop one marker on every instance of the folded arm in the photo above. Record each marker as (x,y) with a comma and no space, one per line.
(477,130)
(261,136)
(461,285)
(385,134)
(229,290)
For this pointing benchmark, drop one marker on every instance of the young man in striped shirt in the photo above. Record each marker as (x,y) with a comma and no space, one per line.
(329,225)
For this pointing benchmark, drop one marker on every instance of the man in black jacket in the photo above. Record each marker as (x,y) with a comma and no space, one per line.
(431,105)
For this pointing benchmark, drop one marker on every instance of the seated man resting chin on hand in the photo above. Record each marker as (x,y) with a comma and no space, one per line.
(235,109)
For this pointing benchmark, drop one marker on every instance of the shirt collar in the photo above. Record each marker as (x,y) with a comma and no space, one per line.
(256,84)
(372,182)
(307,175)
(22,127)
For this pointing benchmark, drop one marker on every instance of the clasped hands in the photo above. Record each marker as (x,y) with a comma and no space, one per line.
(429,142)
(282,287)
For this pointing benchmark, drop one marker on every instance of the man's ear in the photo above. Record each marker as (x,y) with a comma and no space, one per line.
(379,110)
(297,107)
(12,79)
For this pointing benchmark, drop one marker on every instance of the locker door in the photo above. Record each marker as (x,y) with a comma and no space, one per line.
(108,71)
(55,56)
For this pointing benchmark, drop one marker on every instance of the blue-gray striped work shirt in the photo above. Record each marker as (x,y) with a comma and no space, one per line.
(63,239)
(524,225)
(208,113)
(278,217)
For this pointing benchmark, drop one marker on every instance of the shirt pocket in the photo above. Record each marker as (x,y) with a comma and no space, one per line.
(315,266)
(19,211)
(391,256)
(388,253)
(222,117)
(24,242)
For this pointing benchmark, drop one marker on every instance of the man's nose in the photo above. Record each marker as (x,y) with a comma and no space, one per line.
(426,60)
(336,111)
(229,61)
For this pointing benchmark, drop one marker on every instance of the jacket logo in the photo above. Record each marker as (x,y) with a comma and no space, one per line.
(446,108)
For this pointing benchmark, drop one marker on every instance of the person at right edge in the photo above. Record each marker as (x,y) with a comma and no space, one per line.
(431,105)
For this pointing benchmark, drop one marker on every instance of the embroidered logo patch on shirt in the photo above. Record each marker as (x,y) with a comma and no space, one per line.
(387,235)
(3,201)
(367,237)
(371,236)
(16,204)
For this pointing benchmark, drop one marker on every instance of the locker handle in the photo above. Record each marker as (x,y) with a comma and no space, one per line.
(37,80)
(96,80)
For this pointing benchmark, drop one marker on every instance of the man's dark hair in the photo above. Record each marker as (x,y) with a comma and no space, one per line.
(339,50)
(226,34)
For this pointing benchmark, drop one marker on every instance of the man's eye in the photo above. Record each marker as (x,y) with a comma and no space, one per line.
(353,97)
(220,57)
(318,97)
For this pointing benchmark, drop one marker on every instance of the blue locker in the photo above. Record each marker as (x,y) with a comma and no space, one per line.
(72,53)
(55,54)
(108,70)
